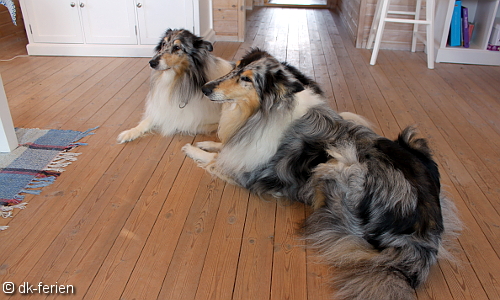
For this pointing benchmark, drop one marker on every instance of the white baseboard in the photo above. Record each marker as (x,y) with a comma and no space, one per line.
(100,49)
(90,50)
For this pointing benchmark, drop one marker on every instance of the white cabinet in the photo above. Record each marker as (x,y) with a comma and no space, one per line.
(52,21)
(87,21)
(482,13)
(107,21)
(107,27)
(180,14)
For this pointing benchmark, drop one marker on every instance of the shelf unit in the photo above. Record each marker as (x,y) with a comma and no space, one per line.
(482,13)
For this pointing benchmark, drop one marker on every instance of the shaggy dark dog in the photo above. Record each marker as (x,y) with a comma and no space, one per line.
(379,209)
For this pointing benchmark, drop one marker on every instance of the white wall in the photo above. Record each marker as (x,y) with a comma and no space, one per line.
(206,20)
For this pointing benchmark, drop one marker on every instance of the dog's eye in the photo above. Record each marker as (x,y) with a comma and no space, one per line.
(247,79)
(175,48)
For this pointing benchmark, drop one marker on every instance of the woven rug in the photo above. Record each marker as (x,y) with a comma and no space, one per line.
(39,159)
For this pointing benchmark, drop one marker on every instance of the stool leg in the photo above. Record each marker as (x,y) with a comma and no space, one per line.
(415,26)
(374,28)
(430,33)
(380,31)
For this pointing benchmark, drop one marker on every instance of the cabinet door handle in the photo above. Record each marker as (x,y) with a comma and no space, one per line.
(72,4)
(82,4)
(139,5)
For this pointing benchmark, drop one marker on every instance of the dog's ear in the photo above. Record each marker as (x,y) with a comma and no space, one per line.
(201,44)
(284,84)
(296,87)
(275,89)
(266,88)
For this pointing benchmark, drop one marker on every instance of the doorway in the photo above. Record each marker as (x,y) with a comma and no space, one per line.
(296,2)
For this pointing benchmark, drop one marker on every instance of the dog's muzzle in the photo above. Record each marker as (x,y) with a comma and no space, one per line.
(208,89)
(154,63)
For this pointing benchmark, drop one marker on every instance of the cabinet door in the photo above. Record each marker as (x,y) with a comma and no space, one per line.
(54,21)
(156,16)
(108,21)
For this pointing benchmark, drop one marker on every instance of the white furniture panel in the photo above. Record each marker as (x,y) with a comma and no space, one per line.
(108,27)
(108,22)
(53,21)
(174,14)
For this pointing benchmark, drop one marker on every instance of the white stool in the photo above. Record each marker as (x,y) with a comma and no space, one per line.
(380,18)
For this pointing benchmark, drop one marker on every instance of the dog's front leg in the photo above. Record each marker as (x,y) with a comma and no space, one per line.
(208,128)
(202,157)
(133,133)
(209,146)
(207,160)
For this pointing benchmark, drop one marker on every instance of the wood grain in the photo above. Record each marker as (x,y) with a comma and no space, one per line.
(140,221)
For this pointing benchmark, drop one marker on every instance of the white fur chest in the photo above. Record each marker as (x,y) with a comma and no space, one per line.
(262,142)
(160,91)
(169,116)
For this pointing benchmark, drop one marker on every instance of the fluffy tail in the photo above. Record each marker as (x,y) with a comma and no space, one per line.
(360,271)
(364,269)
(451,221)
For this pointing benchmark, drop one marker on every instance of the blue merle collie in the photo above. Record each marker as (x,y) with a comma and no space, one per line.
(183,63)
(379,214)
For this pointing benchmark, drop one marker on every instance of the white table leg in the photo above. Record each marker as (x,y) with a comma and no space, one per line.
(8,139)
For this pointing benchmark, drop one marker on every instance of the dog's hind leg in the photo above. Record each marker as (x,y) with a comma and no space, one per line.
(133,133)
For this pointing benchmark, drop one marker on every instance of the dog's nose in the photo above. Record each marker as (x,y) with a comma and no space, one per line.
(207,89)
(154,63)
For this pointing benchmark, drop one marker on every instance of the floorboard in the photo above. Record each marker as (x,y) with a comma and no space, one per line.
(140,221)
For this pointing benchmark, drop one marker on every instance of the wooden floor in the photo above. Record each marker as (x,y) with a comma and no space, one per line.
(140,221)
(297,2)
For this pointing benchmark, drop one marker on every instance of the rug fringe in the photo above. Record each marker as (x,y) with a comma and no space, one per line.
(84,134)
(6,211)
(61,161)
(40,182)
(80,136)
(45,177)
(36,185)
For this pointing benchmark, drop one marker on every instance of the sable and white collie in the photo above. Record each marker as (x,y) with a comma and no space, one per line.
(379,216)
(175,104)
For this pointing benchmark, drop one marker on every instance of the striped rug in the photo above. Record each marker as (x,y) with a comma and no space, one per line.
(37,162)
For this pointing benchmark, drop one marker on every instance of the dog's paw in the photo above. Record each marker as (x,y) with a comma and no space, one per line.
(188,149)
(127,136)
(198,155)
(209,146)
